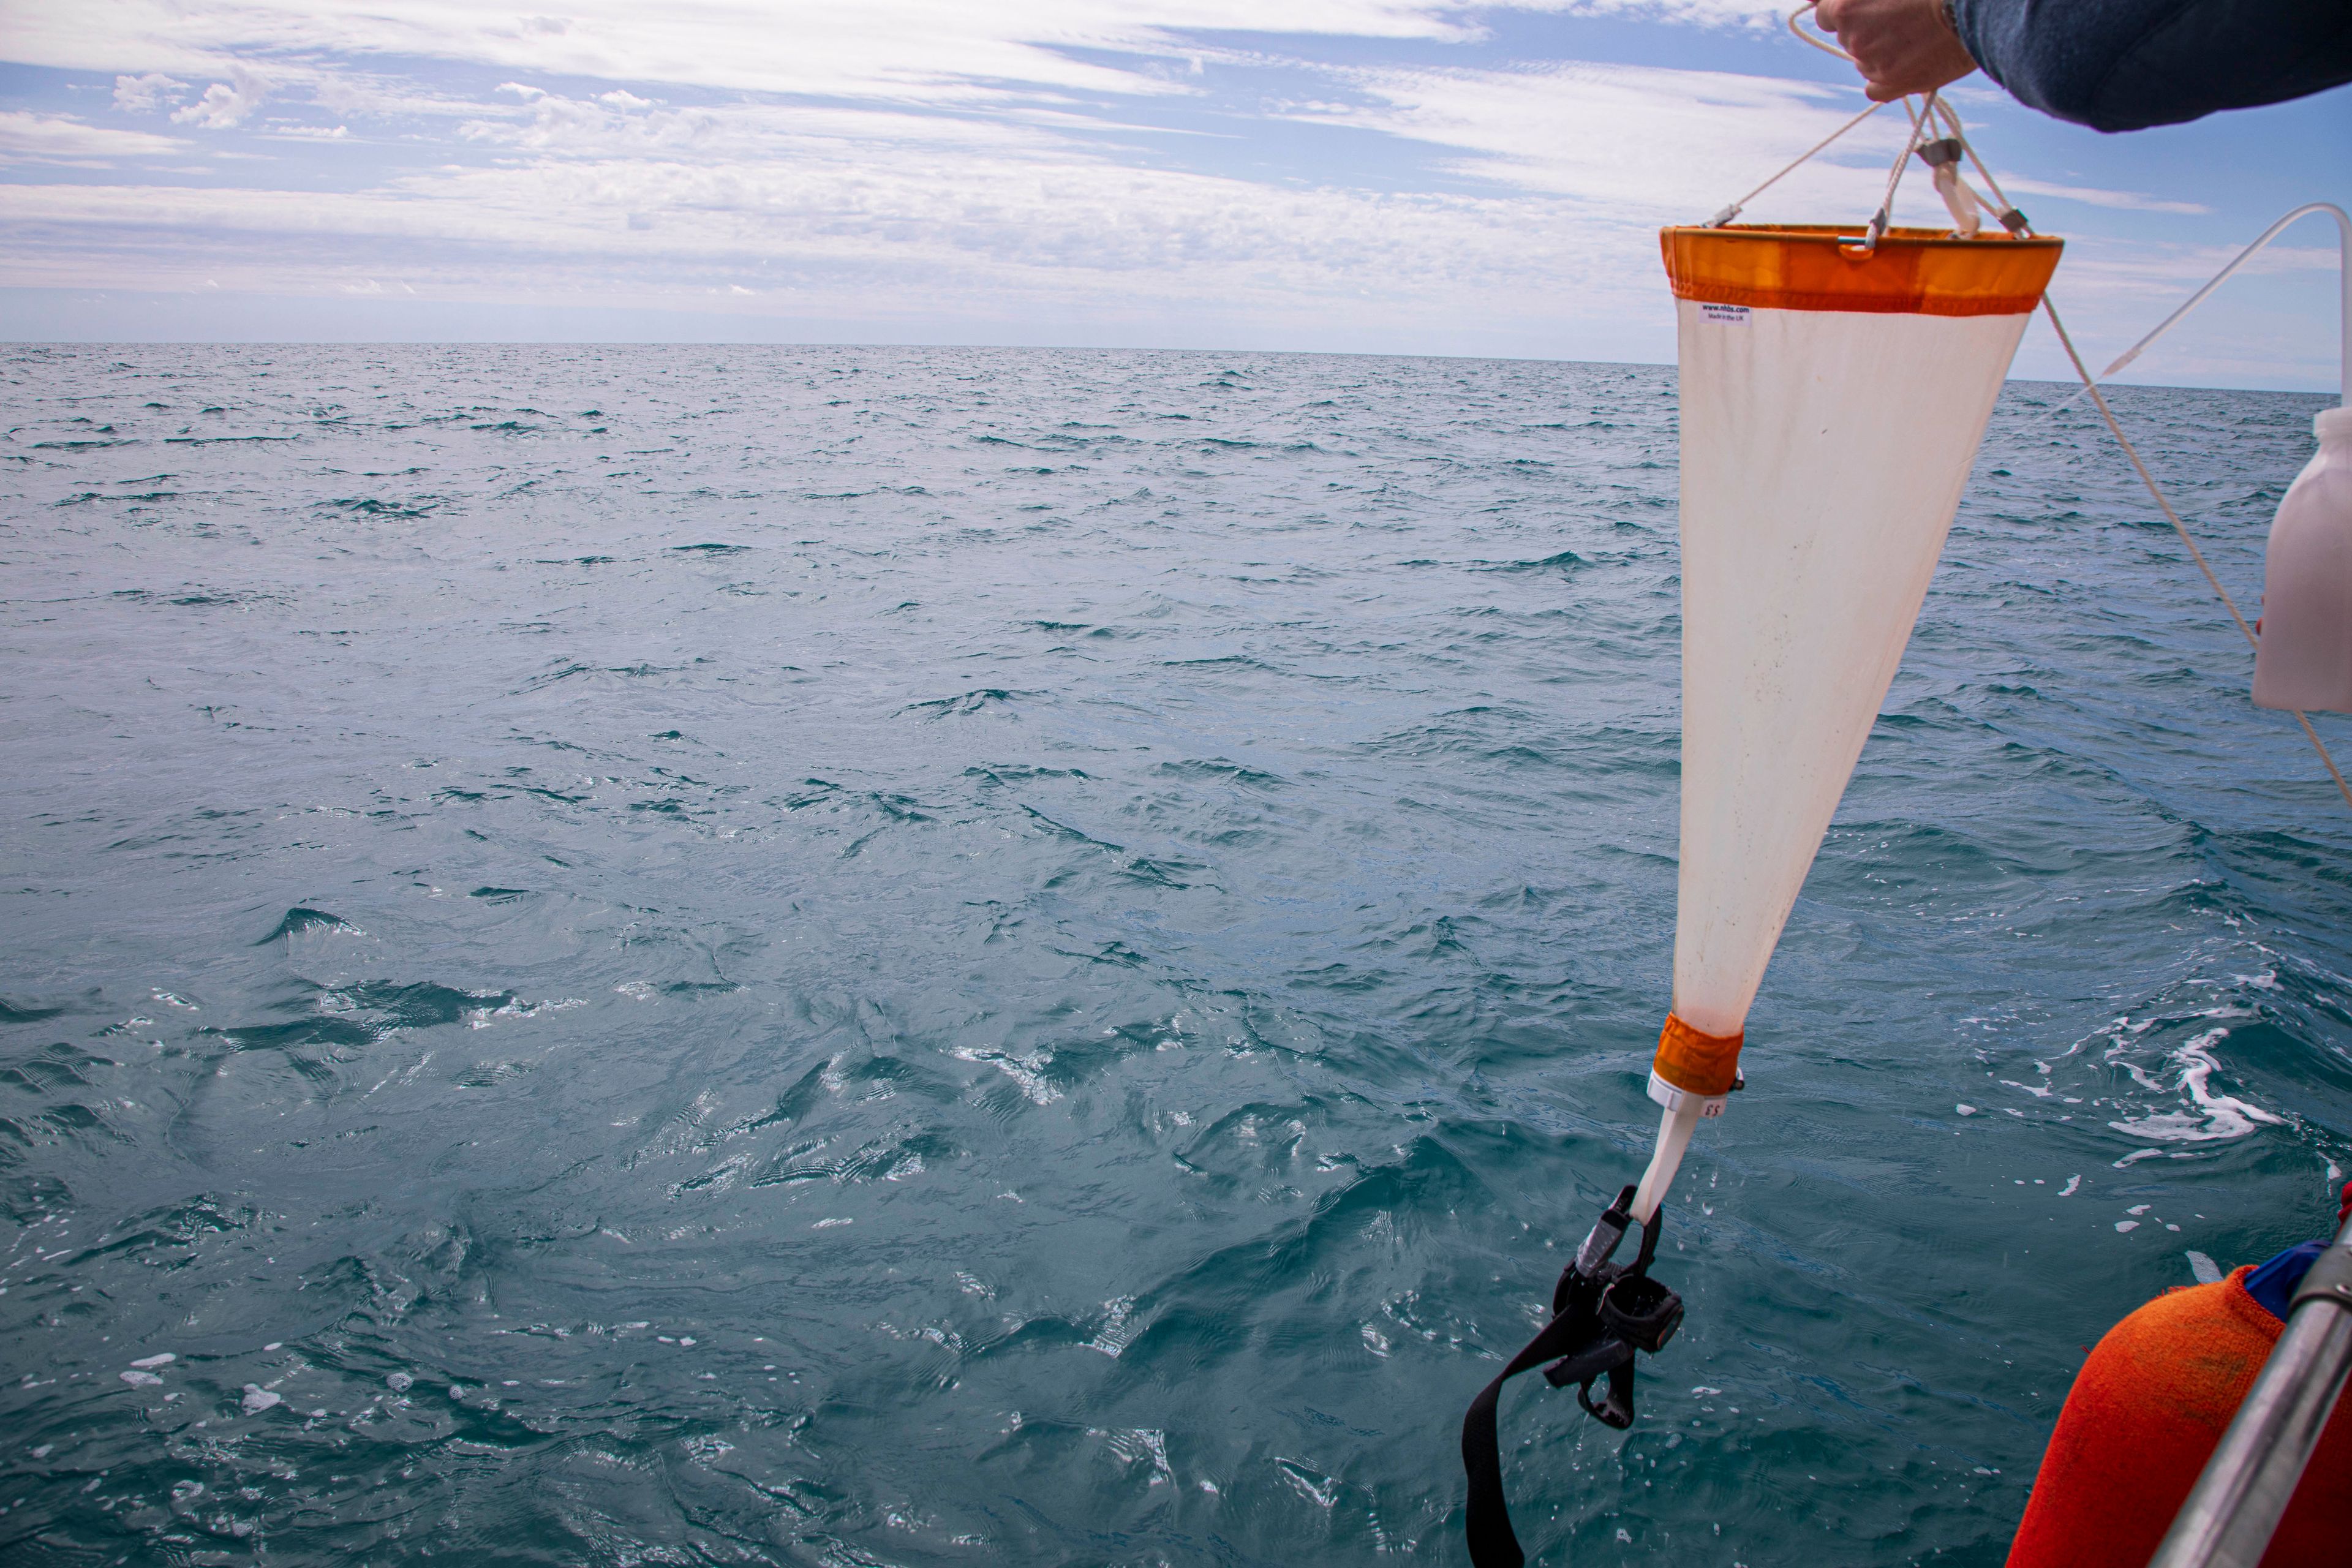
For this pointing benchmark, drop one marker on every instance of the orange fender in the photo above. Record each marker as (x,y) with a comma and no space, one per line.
(2145,1414)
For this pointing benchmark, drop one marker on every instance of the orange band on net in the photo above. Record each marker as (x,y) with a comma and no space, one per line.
(1804,267)
(1696,1063)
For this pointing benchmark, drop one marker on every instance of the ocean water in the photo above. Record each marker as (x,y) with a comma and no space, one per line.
(924,957)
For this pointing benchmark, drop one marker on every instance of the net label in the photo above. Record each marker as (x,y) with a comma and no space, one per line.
(1730,315)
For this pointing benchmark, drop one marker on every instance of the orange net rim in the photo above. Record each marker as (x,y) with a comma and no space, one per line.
(1821,267)
(1852,234)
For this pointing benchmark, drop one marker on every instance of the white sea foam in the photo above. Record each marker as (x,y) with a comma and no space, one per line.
(1026,1069)
(1117,1332)
(1320,1489)
(1142,1444)
(2216,1117)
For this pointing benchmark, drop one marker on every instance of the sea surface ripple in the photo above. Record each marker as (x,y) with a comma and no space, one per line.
(850,956)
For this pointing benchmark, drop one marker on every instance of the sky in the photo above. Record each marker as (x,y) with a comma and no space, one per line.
(1410,176)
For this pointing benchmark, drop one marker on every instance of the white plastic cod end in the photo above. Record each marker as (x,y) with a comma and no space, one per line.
(2305,658)
(1707,1106)
(1684,1113)
(1673,1138)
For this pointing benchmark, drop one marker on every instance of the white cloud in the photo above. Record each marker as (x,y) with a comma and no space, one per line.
(343,90)
(29,138)
(2144,275)
(848,211)
(141,94)
(1027,160)
(551,125)
(897,49)
(2112,292)
(1673,145)
(1036,238)
(1759,13)
(2125,201)
(1665,144)
(225,105)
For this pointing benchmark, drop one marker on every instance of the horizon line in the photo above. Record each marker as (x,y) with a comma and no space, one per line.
(14,345)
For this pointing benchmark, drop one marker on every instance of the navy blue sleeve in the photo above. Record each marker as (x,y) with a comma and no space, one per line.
(2125,65)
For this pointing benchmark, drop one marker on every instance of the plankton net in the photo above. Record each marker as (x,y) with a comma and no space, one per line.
(1832,400)
(1834,389)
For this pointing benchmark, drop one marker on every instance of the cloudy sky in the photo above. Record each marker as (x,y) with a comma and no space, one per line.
(1388,175)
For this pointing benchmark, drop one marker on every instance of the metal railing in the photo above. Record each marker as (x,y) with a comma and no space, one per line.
(2237,1502)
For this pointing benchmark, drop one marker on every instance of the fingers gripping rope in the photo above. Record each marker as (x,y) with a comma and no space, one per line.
(1958,195)
(1922,124)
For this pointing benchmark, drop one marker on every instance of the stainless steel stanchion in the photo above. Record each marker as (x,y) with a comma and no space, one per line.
(2236,1503)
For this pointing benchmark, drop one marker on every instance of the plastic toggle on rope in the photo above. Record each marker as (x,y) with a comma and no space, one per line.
(1943,156)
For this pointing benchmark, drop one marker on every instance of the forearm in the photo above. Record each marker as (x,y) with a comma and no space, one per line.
(2121,65)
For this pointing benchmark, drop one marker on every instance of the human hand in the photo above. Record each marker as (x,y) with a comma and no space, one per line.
(1899,46)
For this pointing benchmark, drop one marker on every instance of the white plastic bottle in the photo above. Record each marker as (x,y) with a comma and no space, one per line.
(2305,657)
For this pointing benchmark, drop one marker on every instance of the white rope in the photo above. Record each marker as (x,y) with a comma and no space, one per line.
(2344,239)
(1886,213)
(1903,159)
(2182,530)
(1815,38)
(1736,208)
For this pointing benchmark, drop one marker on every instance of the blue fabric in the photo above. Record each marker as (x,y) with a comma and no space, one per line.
(2124,65)
(2273,1283)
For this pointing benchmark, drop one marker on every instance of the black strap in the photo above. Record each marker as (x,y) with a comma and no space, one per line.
(1585,1348)
(1487,1518)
